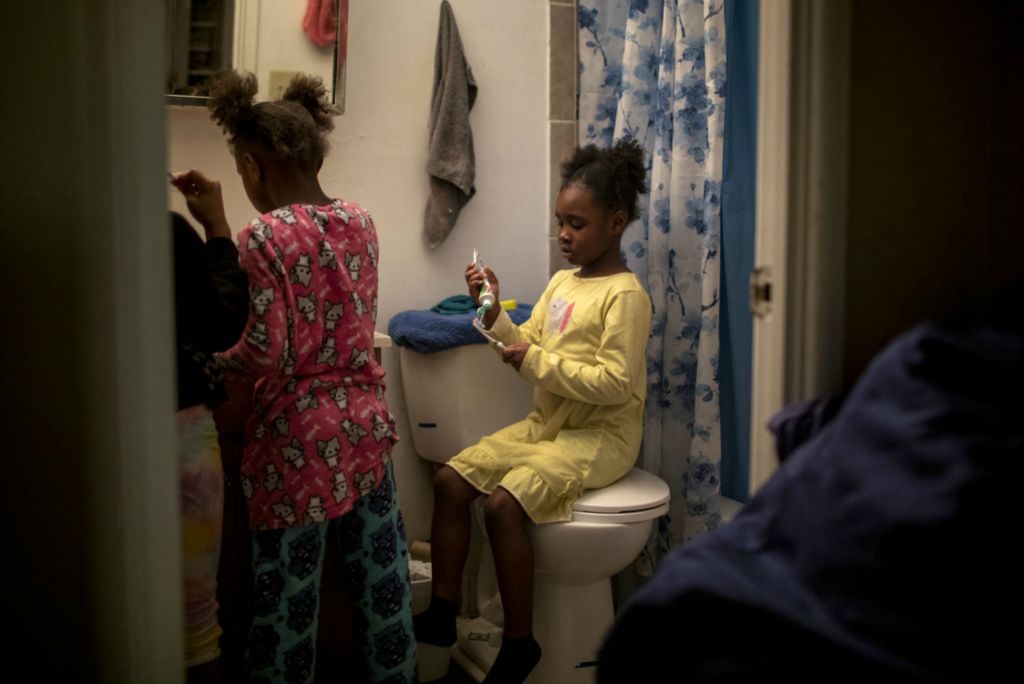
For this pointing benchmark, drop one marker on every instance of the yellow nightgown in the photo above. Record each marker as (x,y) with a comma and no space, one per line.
(589,372)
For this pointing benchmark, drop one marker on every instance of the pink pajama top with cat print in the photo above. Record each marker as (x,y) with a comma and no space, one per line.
(321,433)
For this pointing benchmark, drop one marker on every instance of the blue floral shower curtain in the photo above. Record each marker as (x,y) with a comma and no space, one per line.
(654,71)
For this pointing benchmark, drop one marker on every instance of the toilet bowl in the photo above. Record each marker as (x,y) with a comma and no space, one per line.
(456,397)
(573,565)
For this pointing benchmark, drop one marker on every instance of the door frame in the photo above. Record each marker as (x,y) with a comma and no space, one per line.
(800,227)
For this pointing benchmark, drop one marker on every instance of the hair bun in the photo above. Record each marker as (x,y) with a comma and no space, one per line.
(309,91)
(232,98)
(616,176)
(627,158)
(582,158)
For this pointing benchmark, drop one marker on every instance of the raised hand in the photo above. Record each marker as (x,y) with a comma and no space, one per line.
(204,200)
(475,281)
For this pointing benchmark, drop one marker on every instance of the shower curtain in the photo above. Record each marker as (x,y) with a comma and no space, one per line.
(654,71)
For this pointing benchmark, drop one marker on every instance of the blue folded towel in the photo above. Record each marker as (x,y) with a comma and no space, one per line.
(426,332)
(456,304)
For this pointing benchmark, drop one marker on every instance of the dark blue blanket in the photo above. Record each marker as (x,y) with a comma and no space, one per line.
(883,546)
(427,332)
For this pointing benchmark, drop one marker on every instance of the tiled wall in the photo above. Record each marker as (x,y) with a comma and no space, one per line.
(561,106)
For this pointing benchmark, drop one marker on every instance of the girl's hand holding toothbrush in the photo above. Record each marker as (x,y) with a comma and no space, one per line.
(475,281)
(514,354)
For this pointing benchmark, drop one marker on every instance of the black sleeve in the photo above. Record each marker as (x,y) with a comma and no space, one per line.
(231,283)
(200,324)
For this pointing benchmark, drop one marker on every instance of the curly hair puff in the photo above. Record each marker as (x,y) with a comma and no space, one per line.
(616,176)
(293,128)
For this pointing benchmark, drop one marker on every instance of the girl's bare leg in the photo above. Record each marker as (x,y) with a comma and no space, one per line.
(449,545)
(507,525)
(513,560)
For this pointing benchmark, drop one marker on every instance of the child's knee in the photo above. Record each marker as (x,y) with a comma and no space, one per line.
(449,483)
(501,506)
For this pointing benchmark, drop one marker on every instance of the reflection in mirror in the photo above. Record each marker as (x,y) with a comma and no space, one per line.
(270,38)
(199,42)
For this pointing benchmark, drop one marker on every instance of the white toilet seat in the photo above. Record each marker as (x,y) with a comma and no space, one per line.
(637,497)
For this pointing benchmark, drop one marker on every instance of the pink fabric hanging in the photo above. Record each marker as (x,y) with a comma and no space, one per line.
(320,22)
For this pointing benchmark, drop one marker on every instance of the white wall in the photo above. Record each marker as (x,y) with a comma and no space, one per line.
(379,154)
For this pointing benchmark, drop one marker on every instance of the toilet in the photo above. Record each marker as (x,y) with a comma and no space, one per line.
(454,398)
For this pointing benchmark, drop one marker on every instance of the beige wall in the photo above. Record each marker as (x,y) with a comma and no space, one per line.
(379,154)
(935,220)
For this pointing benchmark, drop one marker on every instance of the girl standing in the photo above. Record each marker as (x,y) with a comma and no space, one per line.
(316,458)
(210,302)
(583,349)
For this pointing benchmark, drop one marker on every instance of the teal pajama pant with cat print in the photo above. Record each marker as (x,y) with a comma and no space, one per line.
(288,564)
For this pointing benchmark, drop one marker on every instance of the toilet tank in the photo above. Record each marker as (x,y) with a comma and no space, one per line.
(457,396)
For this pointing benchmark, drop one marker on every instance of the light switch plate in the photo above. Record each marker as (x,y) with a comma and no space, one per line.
(279,80)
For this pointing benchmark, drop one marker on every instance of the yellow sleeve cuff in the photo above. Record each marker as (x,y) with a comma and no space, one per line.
(503,325)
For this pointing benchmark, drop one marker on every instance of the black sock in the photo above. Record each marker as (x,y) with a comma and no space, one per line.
(515,660)
(436,625)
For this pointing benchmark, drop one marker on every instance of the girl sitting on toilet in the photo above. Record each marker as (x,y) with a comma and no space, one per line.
(583,349)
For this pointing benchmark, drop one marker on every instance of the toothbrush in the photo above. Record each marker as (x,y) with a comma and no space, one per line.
(487,301)
(192,189)
(487,335)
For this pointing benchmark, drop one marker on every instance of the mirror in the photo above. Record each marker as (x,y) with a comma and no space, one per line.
(270,38)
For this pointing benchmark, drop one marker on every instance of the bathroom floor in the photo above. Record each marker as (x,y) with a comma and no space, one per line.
(352,670)
(456,676)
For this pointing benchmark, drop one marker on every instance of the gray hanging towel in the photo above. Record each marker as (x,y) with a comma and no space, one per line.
(450,160)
